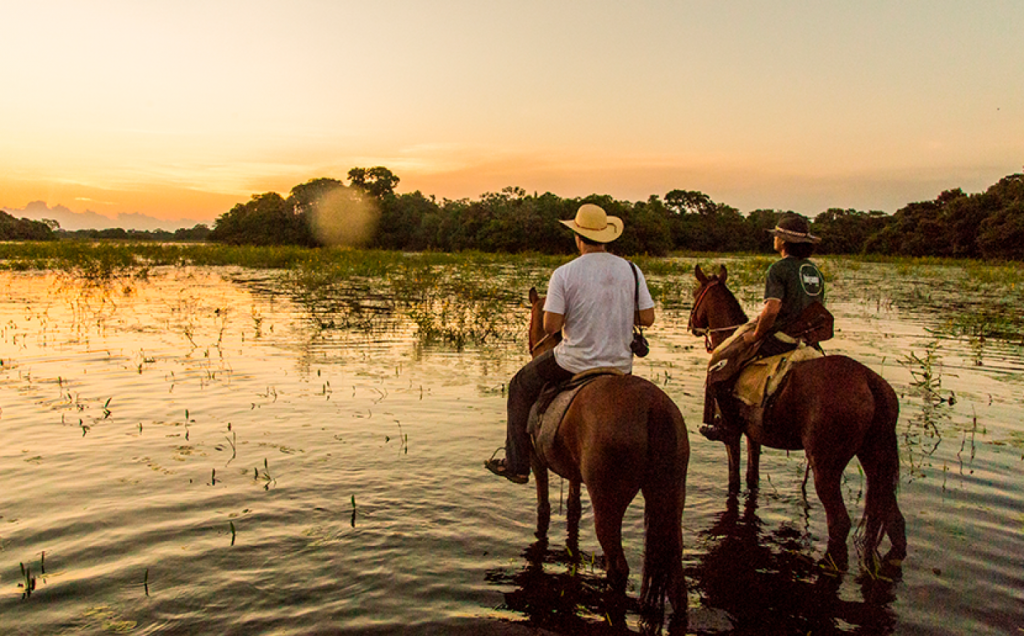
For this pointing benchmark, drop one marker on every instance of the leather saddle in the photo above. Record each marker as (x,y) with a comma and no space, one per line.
(549,409)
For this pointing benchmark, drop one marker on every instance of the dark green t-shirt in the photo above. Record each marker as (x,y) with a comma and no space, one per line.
(797,282)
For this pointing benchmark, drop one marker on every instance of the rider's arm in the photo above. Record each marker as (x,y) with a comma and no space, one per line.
(553,322)
(645,317)
(765,320)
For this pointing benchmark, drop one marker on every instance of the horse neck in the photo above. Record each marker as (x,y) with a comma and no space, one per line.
(724,314)
(538,344)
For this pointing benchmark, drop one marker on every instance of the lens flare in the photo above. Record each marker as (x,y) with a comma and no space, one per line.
(345,217)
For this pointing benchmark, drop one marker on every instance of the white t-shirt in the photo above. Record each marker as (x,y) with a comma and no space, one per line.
(595,294)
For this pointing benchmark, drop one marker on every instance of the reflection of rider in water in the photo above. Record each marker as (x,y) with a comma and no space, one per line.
(591,302)
(793,284)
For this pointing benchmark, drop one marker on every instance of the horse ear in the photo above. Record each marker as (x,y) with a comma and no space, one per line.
(722,273)
(534,296)
(699,273)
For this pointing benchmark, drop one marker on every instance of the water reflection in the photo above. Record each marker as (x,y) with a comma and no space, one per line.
(328,381)
(565,590)
(561,590)
(768,582)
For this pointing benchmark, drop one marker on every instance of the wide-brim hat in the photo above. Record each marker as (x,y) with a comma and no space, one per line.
(594,223)
(793,228)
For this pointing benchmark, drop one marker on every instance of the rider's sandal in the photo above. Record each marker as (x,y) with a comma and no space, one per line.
(498,467)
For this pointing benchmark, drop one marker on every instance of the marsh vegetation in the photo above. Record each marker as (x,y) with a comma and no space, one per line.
(208,438)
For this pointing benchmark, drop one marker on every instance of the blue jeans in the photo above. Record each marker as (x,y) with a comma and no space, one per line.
(523,391)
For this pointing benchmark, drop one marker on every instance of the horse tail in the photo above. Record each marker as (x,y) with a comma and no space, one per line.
(881,463)
(664,489)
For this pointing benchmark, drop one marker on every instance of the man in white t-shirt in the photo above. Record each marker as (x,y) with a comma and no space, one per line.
(592,301)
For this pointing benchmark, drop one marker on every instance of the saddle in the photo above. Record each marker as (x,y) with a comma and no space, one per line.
(762,377)
(758,379)
(549,409)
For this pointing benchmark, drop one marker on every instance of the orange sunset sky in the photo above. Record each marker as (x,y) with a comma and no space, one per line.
(179,110)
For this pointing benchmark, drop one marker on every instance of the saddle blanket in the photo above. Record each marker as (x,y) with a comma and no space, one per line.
(761,378)
(547,412)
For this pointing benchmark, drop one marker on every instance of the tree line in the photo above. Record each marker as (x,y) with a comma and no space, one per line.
(986,225)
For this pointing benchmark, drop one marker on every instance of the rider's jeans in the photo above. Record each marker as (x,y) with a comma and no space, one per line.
(523,391)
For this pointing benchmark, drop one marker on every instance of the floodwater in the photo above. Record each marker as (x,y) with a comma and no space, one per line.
(215,451)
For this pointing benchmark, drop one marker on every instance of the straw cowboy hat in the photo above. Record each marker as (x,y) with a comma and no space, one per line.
(793,228)
(593,223)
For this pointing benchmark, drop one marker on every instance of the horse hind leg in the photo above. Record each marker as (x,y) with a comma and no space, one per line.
(574,512)
(828,485)
(882,514)
(896,528)
(753,464)
(540,477)
(608,527)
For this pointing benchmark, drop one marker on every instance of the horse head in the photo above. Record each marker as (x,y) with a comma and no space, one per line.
(716,313)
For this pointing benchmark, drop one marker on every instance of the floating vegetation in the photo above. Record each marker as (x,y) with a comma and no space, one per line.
(265,476)
(29,584)
(358,322)
(923,433)
(233,440)
(980,324)
(103,618)
(926,372)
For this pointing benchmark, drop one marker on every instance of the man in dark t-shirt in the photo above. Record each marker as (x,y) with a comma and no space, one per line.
(793,284)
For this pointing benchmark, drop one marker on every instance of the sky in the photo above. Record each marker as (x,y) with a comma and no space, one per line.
(179,110)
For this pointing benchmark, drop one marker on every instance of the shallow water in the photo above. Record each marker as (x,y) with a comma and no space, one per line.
(214,451)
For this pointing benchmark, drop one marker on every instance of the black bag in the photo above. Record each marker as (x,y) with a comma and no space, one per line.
(813,325)
(640,347)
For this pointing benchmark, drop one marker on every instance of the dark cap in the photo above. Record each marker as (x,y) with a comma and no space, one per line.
(793,228)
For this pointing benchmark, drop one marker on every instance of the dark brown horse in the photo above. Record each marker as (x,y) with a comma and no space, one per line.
(834,408)
(622,435)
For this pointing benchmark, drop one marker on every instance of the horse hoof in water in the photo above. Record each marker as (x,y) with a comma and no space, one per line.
(835,561)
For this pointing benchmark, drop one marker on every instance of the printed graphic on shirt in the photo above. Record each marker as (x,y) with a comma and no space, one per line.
(810,279)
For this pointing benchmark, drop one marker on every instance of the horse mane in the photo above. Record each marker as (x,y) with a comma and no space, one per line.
(733,304)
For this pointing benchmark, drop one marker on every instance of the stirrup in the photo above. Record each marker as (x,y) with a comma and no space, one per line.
(717,432)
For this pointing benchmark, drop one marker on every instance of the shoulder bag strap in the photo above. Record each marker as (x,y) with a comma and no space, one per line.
(636,298)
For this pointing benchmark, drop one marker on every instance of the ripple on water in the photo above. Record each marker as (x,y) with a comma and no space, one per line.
(204,440)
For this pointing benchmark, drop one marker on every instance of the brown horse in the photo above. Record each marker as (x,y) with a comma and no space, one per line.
(834,408)
(622,435)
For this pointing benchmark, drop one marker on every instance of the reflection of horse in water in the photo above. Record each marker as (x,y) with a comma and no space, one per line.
(834,408)
(768,578)
(622,435)
(562,589)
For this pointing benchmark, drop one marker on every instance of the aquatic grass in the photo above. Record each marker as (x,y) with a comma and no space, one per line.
(233,441)
(265,476)
(477,299)
(29,584)
(926,373)
(979,324)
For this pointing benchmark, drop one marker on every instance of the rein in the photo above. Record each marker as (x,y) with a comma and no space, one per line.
(706,331)
(536,345)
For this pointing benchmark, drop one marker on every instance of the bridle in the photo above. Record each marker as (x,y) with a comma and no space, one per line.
(706,331)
